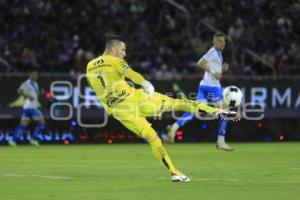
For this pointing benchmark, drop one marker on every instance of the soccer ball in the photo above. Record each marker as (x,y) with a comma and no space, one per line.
(232,96)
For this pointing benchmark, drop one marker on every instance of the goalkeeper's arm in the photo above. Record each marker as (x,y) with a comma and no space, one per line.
(137,78)
(134,76)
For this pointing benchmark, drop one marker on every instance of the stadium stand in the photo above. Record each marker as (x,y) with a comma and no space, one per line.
(61,36)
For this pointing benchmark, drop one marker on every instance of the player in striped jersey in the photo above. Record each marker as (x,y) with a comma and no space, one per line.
(30,90)
(209,91)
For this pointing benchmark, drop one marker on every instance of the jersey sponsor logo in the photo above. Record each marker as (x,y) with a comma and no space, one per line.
(116,99)
(99,62)
(98,66)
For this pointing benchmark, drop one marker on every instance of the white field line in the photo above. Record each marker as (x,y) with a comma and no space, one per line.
(217,179)
(38,176)
(238,180)
(208,179)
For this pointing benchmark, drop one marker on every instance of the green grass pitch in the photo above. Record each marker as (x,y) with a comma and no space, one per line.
(129,171)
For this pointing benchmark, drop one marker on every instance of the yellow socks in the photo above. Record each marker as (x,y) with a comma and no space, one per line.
(158,149)
(161,154)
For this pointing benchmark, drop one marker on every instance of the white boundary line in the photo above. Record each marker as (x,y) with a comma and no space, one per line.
(38,176)
(238,180)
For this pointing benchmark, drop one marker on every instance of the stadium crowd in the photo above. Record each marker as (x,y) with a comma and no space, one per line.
(61,36)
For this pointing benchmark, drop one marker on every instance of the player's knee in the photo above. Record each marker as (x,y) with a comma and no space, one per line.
(41,121)
(24,122)
(150,135)
(155,142)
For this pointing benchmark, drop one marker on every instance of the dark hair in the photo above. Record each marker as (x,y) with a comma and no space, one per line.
(110,40)
(219,34)
(120,38)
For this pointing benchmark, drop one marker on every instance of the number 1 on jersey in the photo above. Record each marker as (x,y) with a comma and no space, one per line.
(100,77)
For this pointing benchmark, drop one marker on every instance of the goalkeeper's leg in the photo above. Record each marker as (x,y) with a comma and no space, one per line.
(165,103)
(161,154)
(187,105)
(142,128)
(160,103)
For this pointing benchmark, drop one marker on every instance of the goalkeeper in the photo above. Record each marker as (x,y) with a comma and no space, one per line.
(106,75)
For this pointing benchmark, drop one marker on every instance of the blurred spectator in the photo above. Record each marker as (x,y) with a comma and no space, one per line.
(61,36)
(283,65)
(28,59)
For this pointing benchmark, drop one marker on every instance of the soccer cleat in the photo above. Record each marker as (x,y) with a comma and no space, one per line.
(12,143)
(34,143)
(224,146)
(164,138)
(224,114)
(179,177)
(171,134)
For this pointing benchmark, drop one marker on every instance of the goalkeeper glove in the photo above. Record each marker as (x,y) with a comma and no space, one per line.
(148,88)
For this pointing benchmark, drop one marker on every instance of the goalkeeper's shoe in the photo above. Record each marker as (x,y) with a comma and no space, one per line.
(179,177)
(227,115)
(224,146)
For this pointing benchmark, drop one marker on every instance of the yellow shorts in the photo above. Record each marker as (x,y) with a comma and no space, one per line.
(132,112)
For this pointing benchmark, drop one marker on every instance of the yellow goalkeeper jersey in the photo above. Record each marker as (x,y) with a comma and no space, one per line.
(106,75)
